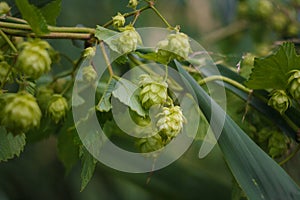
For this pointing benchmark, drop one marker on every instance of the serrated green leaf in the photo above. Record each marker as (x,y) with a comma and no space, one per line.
(10,146)
(33,16)
(104,104)
(126,92)
(51,11)
(258,175)
(272,72)
(104,33)
(88,167)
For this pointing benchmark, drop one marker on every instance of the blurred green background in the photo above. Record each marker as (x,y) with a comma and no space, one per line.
(38,174)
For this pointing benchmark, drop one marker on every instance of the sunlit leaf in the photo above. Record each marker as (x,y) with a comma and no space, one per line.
(272,72)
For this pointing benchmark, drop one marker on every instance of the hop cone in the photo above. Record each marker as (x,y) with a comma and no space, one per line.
(128,40)
(294,84)
(57,108)
(150,144)
(277,144)
(154,90)
(170,121)
(34,59)
(4,71)
(20,112)
(176,45)
(118,20)
(279,100)
(89,74)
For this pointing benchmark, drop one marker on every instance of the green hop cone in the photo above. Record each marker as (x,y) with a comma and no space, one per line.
(170,121)
(89,74)
(265,8)
(57,108)
(150,144)
(89,52)
(133,3)
(43,96)
(279,21)
(175,46)
(153,90)
(128,40)
(294,84)
(4,8)
(277,144)
(34,59)
(118,20)
(20,112)
(5,74)
(280,101)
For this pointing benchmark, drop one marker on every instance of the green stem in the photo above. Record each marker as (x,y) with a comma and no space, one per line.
(12,46)
(290,156)
(161,17)
(290,123)
(51,28)
(53,35)
(109,67)
(167,73)
(225,79)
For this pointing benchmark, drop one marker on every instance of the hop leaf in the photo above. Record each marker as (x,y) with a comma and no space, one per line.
(118,20)
(280,101)
(294,84)
(170,121)
(57,108)
(20,112)
(34,59)
(153,92)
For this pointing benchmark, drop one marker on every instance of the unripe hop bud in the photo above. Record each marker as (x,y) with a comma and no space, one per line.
(57,108)
(4,8)
(34,59)
(170,121)
(133,3)
(118,20)
(154,90)
(294,84)
(280,101)
(20,112)
(89,52)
